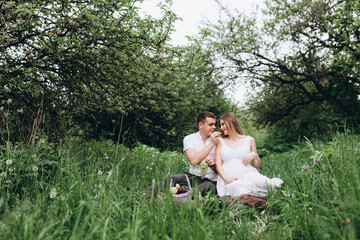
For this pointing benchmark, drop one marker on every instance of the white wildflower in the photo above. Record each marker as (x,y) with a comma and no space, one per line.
(147,167)
(8,181)
(100,185)
(11,169)
(9,162)
(9,101)
(20,110)
(285,193)
(3,174)
(35,168)
(305,167)
(100,172)
(106,156)
(53,193)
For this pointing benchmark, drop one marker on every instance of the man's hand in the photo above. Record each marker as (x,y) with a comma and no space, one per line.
(214,138)
(210,162)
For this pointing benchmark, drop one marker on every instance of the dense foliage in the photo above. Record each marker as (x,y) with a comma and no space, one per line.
(97,68)
(97,190)
(304,59)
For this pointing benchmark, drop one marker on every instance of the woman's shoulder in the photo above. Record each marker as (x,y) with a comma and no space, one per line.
(250,137)
(251,140)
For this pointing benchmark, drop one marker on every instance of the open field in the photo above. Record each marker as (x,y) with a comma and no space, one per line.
(96,190)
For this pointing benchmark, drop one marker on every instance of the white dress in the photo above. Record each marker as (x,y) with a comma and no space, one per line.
(250,181)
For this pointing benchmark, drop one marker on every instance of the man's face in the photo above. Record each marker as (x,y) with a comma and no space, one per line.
(208,127)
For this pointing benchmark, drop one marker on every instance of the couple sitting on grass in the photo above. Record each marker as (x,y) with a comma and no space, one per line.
(231,158)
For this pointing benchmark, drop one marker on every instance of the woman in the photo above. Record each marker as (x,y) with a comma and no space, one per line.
(233,155)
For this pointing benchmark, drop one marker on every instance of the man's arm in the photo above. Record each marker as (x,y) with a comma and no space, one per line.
(213,167)
(195,157)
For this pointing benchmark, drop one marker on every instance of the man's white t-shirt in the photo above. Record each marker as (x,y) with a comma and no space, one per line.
(195,141)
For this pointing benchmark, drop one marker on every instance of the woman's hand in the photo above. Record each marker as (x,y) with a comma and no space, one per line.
(249,158)
(214,138)
(230,180)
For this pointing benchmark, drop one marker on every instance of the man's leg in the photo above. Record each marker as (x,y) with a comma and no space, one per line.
(164,185)
(207,186)
(204,185)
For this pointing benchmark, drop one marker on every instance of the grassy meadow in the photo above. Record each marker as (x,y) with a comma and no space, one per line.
(97,190)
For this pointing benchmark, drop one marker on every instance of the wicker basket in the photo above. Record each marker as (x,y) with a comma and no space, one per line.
(183,196)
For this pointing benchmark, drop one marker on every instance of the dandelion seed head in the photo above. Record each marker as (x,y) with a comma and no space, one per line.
(9,162)
(35,168)
(100,172)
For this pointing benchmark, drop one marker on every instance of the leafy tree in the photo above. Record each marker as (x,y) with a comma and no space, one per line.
(97,68)
(305,58)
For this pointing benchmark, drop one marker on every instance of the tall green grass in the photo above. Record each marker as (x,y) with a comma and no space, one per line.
(97,190)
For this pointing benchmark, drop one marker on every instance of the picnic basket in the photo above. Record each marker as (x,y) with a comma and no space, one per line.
(183,196)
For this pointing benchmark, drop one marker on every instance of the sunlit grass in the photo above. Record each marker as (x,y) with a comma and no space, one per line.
(97,190)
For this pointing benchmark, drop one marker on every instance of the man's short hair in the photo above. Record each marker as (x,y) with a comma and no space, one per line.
(203,115)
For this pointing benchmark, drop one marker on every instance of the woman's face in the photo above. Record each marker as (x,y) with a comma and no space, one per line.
(223,127)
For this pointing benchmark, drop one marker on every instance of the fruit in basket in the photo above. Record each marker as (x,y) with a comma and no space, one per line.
(182,189)
(173,190)
(177,186)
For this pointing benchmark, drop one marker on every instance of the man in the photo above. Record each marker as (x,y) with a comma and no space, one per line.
(198,147)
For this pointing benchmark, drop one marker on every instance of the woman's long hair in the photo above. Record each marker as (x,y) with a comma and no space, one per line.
(232,124)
